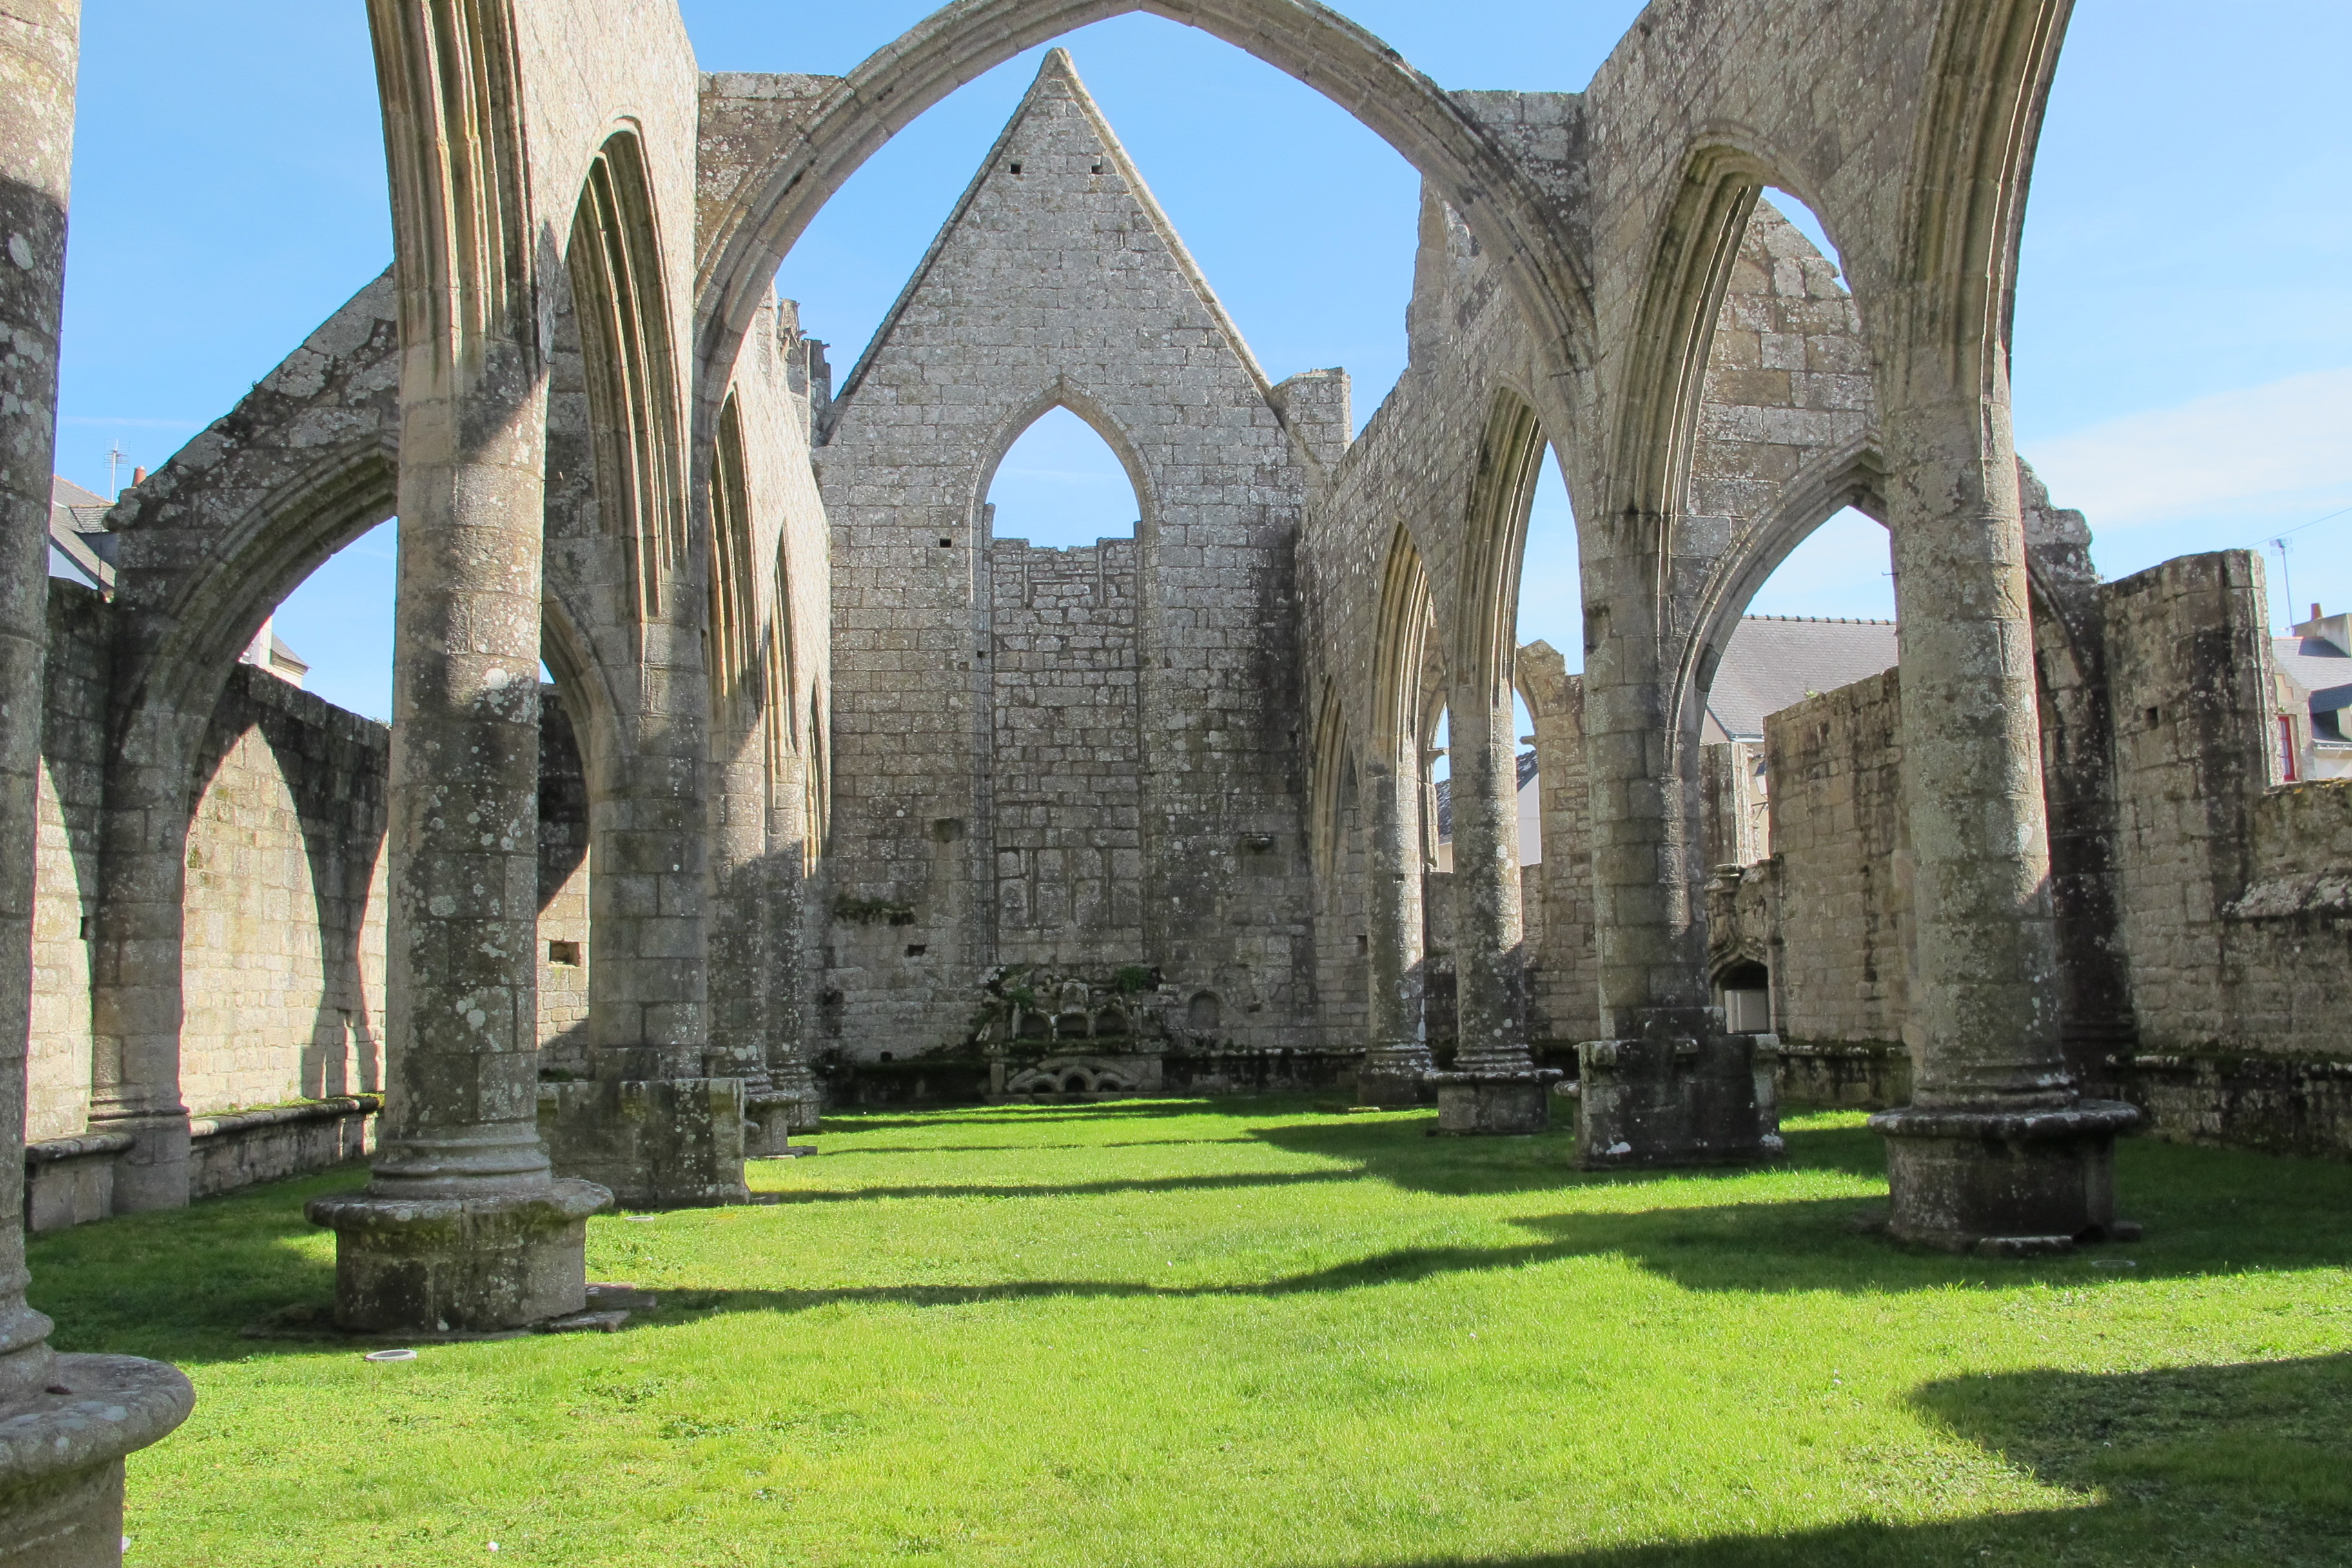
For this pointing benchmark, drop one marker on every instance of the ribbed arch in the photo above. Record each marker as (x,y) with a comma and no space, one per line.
(1334,761)
(1502,493)
(1428,127)
(738,692)
(1399,653)
(634,410)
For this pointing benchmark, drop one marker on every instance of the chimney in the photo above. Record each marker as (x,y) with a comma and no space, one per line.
(138,477)
(2315,609)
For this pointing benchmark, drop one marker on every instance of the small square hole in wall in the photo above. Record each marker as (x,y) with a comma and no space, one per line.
(2155,717)
(947,544)
(916,949)
(565,953)
(1098,168)
(1363,944)
(1016,166)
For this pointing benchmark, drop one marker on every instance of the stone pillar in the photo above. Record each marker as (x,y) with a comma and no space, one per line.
(662,1121)
(65,1421)
(1667,1085)
(464,1226)
(754,912)
(1396,1055)
(135,960)
(1997,1150)
(791,1078)
(1494,1086)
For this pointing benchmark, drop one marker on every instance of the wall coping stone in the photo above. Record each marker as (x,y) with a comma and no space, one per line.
(234,1121)
(54,1151)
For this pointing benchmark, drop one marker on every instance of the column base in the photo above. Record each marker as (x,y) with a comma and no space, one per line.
(473,1265)
(1493,1104)
(1393,1080)
(771,1116)
(803,1100)
(1684,1094)
(2005,1183)
(61,1455)
(155,1171)
(664,1143)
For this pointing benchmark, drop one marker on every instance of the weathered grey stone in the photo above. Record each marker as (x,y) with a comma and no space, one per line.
(659,1143)
(464,1264)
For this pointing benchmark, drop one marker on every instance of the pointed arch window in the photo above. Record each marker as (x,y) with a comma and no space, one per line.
(1060,486)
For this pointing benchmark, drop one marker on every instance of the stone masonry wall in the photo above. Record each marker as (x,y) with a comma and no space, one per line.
(66,885)
(1058,281)
(2189,675)
(284,959)
(1066,755)
(563,947)
(1556,899)
(1843,844)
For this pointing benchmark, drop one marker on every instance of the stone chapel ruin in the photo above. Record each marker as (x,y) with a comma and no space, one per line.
(839,794)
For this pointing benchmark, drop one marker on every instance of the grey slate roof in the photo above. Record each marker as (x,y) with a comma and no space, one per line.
(1776,661)
(2319,667)
(77,531)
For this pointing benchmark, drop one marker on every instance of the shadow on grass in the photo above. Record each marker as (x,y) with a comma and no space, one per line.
(181,1285)
(1027,1115)
(2238,1464)
(1234,1181)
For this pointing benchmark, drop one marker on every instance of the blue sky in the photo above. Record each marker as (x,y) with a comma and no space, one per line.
(2184,355)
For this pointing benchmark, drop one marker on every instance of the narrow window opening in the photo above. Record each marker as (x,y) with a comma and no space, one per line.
(917,949)
(564,952)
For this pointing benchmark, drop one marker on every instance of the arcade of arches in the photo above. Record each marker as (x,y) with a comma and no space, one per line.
(838,795)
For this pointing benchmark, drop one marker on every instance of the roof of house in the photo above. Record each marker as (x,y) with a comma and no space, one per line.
(2317,666)
(1775,661)
(77,531)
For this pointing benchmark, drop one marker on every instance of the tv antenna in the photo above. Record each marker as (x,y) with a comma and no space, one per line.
(115,457)
(2287,572)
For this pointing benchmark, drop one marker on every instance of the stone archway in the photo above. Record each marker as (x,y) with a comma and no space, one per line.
(823,140)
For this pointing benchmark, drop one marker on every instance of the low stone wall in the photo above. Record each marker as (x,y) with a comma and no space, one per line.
(2285,1107)
(240,1149)
(70,1181)
(1847,1075)
(964,1080)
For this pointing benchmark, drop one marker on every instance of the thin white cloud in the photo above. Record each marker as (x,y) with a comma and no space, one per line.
(2254,452)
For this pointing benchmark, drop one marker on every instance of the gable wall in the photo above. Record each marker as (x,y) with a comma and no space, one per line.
(1059,284)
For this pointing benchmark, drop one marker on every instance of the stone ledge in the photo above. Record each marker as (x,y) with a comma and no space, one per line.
(228,1123)
(54,1151)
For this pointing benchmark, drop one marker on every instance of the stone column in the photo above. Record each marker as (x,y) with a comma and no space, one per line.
(1667,1085)
(753,909)
(464,1227)
(65,1421)
(790,1077)
(1997,1150)
(136,960)
(1494,1086)
(1396,1055)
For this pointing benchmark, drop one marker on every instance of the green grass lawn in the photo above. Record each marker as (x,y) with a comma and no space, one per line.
(1203,1333)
